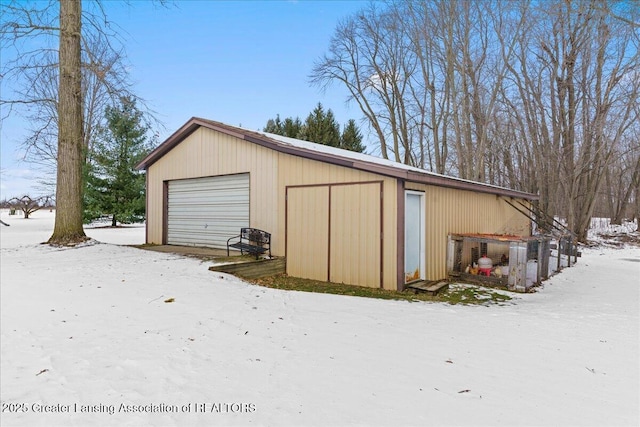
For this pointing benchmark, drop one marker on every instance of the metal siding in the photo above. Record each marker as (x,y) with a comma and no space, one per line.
(355,234)
(307,231)
(459,211)
(155,202)
(293,171)
(333,233)
(207,211)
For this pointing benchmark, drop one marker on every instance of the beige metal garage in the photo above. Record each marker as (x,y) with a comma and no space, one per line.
(336,215)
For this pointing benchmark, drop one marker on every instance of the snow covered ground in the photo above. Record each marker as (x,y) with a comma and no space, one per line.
(88,339)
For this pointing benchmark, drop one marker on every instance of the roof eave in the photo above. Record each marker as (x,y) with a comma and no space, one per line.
(441,181)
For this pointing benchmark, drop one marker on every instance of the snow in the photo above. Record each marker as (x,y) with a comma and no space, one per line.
(88,328)
(604,226)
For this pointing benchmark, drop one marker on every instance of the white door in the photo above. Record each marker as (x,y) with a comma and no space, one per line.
(207,211)
(414,256)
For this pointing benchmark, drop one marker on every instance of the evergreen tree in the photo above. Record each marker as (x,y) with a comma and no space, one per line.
(351,138)
(114,187)
(290,127)
(319,127)
(274,126)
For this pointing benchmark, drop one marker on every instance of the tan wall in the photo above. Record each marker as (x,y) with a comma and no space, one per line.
(333,233)
(307,231)
(210,153)
(459,211)
(300,171)
(355,234)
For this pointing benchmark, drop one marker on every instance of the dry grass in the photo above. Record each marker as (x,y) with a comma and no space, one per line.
(454,295)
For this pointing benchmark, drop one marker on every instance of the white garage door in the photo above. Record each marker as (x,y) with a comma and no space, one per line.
(207,211)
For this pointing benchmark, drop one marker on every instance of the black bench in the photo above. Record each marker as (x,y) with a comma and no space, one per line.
(251,240)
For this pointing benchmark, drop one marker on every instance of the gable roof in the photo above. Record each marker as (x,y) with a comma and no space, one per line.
(327,154)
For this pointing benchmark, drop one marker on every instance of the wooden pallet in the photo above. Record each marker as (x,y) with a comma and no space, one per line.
(253,269)
(430,288)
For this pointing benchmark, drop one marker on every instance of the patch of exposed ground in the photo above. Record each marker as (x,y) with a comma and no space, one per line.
(617,240)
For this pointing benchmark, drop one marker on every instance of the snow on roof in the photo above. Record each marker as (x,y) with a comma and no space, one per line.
(339,152)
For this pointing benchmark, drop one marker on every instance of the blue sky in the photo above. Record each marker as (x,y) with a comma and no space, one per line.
(238,62)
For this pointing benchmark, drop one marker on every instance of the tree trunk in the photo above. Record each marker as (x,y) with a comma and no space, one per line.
(68,223)
(636,211)
(623,202)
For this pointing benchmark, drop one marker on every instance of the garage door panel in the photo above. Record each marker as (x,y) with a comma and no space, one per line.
(196,239)
(205,228)
(205,196)
(215,211)
(207,211)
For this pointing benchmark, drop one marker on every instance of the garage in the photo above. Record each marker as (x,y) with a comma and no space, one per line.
(334,215)
(207,211)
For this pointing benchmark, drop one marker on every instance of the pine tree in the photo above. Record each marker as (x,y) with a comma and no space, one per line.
(290,127)
(320,127)
(114,186)
(351,138)
(274,126)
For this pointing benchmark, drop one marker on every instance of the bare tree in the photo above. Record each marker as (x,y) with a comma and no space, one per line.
(621,179)
(68,224)
(423,74)
(590,68)
(103,77)
(530,157)
(49,86)
(537,96)
(370,56)
(430,91)
(29,205)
